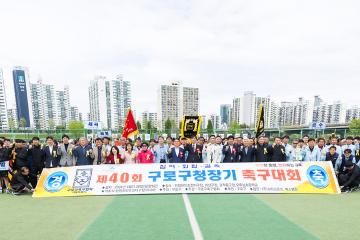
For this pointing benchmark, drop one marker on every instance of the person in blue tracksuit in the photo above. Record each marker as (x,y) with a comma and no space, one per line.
(288,148)
(334,142)
(322,148)
(349,145)
(312,152)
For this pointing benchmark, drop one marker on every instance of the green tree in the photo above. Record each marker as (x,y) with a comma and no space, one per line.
(60,127)
(173,125)
(355,127)
(121,130)
(234,127)
(11,124)
(149,127)
(22,123)
(51,123)
(210,127)
(76,128)
(138,125)
(243,125)
(168,126)
(295,136)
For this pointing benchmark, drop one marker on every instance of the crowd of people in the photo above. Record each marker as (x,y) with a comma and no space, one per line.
(26,160)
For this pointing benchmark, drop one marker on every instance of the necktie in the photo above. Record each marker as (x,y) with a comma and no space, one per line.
(99,155)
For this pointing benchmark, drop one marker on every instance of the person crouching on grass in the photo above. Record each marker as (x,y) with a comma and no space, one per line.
(145,155)
(20,183)
(349,181)
(114,156)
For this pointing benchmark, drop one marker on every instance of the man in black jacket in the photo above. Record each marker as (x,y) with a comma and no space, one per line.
(21,154)
(350,179)
(194,151)
(20,183)
(333,156)
(247,152)
(230,151)
(277,151)
(37,155)
(261,150)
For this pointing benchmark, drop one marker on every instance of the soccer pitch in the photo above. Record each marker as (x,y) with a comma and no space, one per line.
(219,216)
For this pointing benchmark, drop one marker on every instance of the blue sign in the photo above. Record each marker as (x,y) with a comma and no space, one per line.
(317,125)
(22,101)
(317,176)
(56,181)
(92,125)
(104,134)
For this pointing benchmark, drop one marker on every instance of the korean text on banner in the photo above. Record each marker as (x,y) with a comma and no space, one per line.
(287,177)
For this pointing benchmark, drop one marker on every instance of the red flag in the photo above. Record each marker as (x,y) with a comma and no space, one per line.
(130,128)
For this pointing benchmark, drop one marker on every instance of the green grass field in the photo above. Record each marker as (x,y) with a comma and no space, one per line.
(219,216)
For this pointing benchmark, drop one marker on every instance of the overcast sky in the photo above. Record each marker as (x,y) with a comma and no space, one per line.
(285,49)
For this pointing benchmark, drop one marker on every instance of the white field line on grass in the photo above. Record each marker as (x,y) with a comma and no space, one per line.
(193,222)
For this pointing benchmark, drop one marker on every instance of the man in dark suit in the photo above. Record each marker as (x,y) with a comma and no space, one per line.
(247,152)
(83,154)
(230,151)
(37,155)
(21,154)
(277,151)
(176,153)
(261,150)
(51,157)
(194,151)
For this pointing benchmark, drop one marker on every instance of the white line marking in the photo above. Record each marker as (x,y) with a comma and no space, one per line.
(193,222)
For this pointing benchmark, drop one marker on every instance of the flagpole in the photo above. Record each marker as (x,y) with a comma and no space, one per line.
(260,125)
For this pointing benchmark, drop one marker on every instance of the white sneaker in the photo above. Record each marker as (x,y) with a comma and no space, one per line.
(15,193)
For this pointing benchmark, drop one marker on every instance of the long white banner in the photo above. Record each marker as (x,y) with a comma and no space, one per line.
(285,177)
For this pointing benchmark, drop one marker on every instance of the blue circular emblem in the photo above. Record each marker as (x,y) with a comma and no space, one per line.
(317,176)
(55,181)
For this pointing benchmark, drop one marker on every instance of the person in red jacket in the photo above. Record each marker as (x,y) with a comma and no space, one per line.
(114,156)
(145,155)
